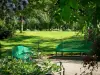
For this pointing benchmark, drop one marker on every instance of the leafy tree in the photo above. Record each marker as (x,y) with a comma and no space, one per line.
(84,12)
(8,10)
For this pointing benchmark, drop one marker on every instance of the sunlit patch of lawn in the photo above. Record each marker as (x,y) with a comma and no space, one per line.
(48,39)
(50,34)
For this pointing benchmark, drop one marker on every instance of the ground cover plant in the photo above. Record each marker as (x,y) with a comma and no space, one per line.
(12,66)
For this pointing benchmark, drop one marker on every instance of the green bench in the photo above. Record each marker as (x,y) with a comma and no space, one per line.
(74,46)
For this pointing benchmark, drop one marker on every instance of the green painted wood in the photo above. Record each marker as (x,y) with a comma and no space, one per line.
(74,46)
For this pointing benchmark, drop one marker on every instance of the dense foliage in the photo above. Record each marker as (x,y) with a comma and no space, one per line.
(5,33)
(10,10)
(11,66)
(51,14)
(86,13)
(41,16)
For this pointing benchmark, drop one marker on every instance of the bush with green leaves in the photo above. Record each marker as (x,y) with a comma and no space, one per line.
(11,66)
(5,32)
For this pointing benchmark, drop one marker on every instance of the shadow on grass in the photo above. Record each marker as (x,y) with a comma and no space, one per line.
(74,57)
(20,38)
(74,40)
(45,44)
(5,53)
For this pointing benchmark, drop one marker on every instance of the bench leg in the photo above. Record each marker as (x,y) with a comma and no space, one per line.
(61,53)
(63,71)
(56,53)
(81,54)
(71,53)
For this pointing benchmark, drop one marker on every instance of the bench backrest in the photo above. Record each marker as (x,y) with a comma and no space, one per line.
(75,44)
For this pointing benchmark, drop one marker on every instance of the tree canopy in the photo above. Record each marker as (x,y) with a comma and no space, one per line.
(47,14)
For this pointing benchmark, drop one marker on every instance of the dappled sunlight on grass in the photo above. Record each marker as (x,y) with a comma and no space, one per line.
(49,34)
(48,40)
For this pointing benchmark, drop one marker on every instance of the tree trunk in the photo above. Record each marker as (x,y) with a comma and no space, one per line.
(21,27)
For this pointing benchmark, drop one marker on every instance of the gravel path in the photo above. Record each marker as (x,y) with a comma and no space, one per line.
(72,67)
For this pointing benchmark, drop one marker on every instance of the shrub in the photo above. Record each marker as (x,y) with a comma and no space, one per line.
(5,33)
(11,66)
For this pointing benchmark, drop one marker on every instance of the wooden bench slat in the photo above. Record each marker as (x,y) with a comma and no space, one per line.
(77,47)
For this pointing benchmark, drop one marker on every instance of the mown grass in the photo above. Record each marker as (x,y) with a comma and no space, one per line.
(48,40)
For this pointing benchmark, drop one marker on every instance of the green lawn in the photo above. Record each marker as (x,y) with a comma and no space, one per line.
(48,40)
